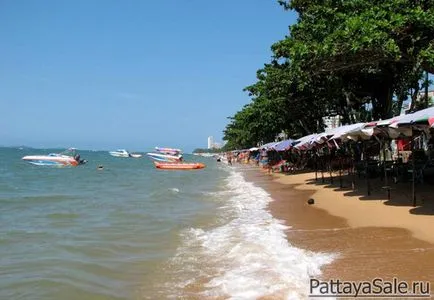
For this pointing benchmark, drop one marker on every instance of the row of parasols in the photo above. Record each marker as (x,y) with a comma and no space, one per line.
(399,126)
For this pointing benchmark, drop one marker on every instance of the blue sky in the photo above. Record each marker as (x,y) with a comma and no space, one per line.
(105,74)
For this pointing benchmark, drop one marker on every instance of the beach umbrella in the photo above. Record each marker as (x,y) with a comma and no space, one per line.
(268,146)
(321,137)
(387,122)
(384,123)
(421,117)
(343,131)
(265,146)
(385,128)
(305,142)
(284,145)
(364,133)
(333,134)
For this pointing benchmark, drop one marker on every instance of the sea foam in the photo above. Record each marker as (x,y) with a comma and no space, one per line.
(246,255)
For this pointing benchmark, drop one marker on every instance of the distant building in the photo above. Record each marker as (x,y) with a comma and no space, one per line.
(210,142)
(281,136)
(420,99)
(214,145)
(422,94)
(405,107)
(332,122)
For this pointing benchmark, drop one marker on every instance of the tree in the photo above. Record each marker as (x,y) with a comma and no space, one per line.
(341,57)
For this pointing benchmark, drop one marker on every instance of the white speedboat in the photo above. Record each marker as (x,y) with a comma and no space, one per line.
(124,153)
(120,153)
(165,157)
(63,159)
(169,151)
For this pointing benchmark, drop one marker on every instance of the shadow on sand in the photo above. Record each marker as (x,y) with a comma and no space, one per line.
(393,194)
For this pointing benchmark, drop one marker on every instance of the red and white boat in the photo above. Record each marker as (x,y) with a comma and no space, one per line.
(169,151)
(63,159)
(164,157)
(178,165)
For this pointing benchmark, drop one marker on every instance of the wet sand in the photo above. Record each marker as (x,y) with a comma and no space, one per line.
(366,246)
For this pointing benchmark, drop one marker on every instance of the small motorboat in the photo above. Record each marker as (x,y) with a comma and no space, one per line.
(165,157)
(169,151)
(63,159)
(179,166)
(124,153)
(120,153)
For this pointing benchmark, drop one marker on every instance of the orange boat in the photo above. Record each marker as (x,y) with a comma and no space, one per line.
(178,166)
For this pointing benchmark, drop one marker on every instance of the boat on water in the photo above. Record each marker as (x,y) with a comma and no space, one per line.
(179,166)
(169,151)
(66,158)
(165,157)
(124,153)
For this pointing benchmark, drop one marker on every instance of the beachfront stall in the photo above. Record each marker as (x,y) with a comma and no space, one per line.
(381,152)
(395,150)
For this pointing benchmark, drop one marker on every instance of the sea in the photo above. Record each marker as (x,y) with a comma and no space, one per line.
(130,231)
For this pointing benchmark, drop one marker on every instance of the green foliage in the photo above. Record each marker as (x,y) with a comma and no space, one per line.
(340,56)
(206,150)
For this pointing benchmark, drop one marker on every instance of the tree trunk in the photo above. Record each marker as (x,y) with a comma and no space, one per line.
(382,104)
(375,109)
(345,115)
(401,98)
(388,104)
(426,90)
(352,117)
(414,97)
(305,128)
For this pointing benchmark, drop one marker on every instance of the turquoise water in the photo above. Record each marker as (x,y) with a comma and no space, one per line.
(87,233)
(131,231)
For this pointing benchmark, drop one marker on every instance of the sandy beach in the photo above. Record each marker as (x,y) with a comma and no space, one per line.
(372,236)
(365,211)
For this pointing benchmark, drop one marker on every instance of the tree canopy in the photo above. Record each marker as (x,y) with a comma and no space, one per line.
(359,59)
(206,150)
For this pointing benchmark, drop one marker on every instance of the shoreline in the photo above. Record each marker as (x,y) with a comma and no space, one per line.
(371,238)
